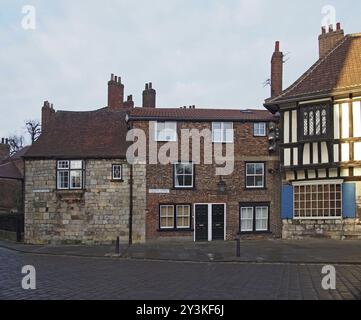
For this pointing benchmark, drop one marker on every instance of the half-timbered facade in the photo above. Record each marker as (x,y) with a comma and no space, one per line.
(320,145)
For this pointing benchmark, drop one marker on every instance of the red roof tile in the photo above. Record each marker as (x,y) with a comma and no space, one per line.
(190,114)
(91,134)
(339,70)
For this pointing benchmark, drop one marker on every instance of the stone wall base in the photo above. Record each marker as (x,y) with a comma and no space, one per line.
(341,229)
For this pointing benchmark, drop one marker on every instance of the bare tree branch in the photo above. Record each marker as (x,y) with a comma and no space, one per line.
(16,143)
(34,129)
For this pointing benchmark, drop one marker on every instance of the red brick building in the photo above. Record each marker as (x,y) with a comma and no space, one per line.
(11,179)
(188,200)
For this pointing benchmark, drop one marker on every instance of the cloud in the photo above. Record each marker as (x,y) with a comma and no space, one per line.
(206,52)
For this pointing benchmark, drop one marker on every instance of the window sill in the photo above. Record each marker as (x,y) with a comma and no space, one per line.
(175,230)
(254,189)
(70,194)
(185,188)
(116,180)
(253,232)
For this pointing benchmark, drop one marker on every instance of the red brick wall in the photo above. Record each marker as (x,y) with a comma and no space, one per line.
(247,148)
(10,194)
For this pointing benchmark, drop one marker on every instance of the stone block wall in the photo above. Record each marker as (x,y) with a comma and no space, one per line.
(341,229)
(96,215)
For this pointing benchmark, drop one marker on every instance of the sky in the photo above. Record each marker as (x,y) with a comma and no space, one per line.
(208,53)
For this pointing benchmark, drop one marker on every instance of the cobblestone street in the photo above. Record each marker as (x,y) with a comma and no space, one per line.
(61,277)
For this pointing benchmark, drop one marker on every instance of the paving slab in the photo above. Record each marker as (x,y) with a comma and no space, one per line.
(266,251)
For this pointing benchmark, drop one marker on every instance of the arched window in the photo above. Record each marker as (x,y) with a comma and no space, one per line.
(305,123)
(311,123)
(318,122)
(324,121)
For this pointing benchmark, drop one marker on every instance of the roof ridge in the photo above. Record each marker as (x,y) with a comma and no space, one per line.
(311,69)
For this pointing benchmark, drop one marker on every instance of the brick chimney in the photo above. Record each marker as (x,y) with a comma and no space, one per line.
(4,149)
(149,96)
(47,112)
(129,103)
(328,40)
(115,92)
(276,71)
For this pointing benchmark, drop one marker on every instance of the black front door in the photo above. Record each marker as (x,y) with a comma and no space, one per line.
(218,222)
(201,215)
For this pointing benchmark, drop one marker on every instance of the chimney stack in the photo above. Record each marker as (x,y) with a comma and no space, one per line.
(115,92)
(4,149)
(47,112)
(149,96)
(276,71)
(129,103)
(328,40)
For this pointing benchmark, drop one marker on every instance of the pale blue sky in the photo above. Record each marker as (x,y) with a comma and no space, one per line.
(206,53)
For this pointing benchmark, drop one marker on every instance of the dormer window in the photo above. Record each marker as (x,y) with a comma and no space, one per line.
(315,121)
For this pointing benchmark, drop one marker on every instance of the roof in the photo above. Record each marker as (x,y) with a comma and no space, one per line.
(90,134)
(16,156)
(10,171)
(193,114)
(338,71)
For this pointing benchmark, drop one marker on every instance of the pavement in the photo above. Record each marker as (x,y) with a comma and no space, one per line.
(93,278)
(313,251)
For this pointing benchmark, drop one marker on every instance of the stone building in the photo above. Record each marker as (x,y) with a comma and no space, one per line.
(80,187)
(320,147)
(77,181)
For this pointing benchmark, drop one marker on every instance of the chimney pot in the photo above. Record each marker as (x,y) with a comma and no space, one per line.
(323,30)
(149,96)
(277,46)
(327,41)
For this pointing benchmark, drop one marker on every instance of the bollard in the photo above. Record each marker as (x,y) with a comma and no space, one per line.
(117,248)
(238,247)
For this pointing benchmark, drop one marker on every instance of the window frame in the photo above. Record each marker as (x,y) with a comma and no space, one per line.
(309,115)
(175,186)
(69,170)
(156,137)
(121,172)
(255,175)
(175,216)
(264,127)
(223,133)
(254,206)
(323,200)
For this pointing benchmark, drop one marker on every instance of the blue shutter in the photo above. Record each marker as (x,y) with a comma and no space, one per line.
(349,200)
(287,202)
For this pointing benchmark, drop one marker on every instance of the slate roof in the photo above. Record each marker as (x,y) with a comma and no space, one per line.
(10,171)
(338,71)
(90,134)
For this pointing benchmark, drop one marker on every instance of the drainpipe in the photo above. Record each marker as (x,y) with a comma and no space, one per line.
(131,205)
(130,241)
